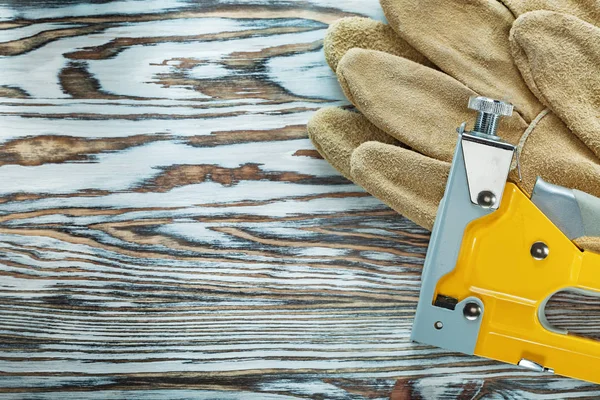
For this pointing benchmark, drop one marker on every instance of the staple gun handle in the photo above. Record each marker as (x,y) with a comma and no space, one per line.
(575,213)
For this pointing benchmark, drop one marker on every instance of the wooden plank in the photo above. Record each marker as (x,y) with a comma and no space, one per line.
(168,231)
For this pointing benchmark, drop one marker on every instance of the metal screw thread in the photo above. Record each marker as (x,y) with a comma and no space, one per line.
(486,123)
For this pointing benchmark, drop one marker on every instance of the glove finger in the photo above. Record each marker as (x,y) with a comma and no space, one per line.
(366,33)
(559,56)
(469,41)
(589,243)
(417,105)
(407,181)
(587,10)
(336,133)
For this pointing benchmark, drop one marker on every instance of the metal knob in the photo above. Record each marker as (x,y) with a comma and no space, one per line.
(489,111)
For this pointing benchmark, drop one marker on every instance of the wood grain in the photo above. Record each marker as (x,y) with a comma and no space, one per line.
(168,231)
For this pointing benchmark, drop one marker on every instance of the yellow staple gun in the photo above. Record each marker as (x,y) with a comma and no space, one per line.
(496,256)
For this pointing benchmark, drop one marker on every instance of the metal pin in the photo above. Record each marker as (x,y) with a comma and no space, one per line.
(539,251)
(533,366)
(472,311)
(486,199)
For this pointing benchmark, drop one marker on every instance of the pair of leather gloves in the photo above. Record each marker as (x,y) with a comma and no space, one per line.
(410,82)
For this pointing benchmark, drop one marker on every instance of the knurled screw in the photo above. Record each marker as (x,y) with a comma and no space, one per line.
(489,111)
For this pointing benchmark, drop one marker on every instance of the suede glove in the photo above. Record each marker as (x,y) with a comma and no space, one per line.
(411,81)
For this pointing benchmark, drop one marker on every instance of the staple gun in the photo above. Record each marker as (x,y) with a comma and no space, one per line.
(497,255)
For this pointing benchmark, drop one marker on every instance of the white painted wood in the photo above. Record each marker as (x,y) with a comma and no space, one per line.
(167,229)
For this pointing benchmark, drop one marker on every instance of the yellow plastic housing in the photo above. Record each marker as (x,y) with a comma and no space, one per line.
(495,265)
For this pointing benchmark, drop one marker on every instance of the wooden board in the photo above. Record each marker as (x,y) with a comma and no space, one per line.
(167,230)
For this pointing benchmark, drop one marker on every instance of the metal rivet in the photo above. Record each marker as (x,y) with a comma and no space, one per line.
(438,325)
(472,311)
(486,199)
(539,250)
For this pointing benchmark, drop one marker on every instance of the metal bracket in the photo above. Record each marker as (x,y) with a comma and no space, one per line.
(487,164)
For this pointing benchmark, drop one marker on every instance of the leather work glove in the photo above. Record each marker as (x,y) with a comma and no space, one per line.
(411,80)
